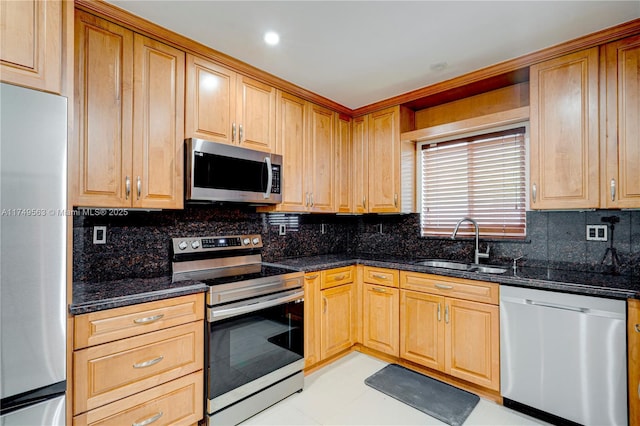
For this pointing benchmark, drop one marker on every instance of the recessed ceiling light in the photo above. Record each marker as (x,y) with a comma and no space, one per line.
(440,66)
(271,38)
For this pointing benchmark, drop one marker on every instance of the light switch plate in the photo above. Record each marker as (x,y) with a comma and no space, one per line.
(597,232)
(99,235)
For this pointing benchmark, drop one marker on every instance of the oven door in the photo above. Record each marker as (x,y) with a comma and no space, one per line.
(252,345)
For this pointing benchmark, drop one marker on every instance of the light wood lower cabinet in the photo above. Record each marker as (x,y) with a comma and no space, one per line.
(633,337)
(380,310)
(450,334)
(140,362)
(330,313)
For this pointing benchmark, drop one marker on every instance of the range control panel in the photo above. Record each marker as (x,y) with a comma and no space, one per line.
(209,244)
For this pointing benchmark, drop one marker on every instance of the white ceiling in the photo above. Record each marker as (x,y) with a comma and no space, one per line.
(359,52)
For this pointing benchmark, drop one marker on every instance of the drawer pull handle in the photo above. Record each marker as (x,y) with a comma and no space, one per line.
(379,290)
(147,320)
(339,277)
(311,277)
(637,328)
(148,421)
(444,287)
(149,363)
(379,276)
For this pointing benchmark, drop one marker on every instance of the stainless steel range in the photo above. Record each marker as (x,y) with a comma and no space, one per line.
(255,312)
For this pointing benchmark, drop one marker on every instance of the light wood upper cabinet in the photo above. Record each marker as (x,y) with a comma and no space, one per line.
(320,159)
(101,169)
(343,171)
(621,186)
(305,135)
(386,184)
(291,136)
(224,106)
(31,44)
(565,132)
(158,124)
(360,174)
(129,91)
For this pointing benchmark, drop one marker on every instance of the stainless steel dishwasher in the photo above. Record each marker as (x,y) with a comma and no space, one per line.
(564,355)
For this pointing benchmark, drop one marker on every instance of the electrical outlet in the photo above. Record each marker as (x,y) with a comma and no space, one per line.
(99,235)
(323,228)
(282,229)
(596,232)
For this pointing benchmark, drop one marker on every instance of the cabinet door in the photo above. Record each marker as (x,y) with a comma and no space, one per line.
(384,161)
(320,162)
(311,319)
(100,160)
(381,321)
(343,178)
(31,44)
(210,101)
(564,132)
(158,126)
(291,136)
(622,175)
(360,163)
(338,318)
(256,114)
(422,329)
(633,333)
(472,342)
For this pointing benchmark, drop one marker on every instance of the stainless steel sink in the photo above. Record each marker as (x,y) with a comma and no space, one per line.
(470,267)
(444,264)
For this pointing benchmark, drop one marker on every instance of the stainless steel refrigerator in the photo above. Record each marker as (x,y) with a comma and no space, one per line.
(33,163)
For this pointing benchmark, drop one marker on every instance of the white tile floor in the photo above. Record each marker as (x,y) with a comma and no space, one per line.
(337,395)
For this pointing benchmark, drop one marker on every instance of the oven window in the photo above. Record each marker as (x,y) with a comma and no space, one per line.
(249,346)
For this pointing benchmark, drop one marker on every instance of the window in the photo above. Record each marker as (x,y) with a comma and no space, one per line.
(481,177)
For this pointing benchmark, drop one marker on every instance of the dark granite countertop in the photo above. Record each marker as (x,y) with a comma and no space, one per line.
(578,282)
(97,296)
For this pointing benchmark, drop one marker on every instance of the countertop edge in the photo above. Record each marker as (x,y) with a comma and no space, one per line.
(134,299)
(582,289)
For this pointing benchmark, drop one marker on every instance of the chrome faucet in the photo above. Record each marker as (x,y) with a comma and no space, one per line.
(477,254)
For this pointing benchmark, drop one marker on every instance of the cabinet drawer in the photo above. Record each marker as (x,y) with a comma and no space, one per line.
(112,371)
(178,402)
(381,276)
(459,288)
(113,324)
(338,276)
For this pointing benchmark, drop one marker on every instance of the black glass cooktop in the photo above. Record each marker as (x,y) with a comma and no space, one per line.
(245,273)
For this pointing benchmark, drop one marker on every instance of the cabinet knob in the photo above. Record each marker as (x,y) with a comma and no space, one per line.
(534,192)
(613,189)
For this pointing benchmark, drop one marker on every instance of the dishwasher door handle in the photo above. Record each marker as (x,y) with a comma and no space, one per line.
(556,306)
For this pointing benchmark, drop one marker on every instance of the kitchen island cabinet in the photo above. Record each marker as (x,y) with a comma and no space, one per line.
(127,150)
(228,107)
(451,325)
(140,362)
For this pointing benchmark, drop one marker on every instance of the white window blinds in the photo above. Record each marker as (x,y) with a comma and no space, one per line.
(481,177)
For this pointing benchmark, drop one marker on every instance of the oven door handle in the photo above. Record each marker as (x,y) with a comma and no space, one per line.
(220,314)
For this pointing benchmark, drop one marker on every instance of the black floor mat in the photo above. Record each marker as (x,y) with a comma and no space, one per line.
(435,398)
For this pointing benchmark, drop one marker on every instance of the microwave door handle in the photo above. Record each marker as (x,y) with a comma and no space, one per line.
(267,193)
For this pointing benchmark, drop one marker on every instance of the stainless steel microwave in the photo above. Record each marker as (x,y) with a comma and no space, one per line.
(220,172)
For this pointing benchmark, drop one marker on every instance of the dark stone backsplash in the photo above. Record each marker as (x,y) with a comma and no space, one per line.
(138,245)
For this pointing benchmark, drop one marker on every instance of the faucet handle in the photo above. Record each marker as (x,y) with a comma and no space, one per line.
(515,261)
